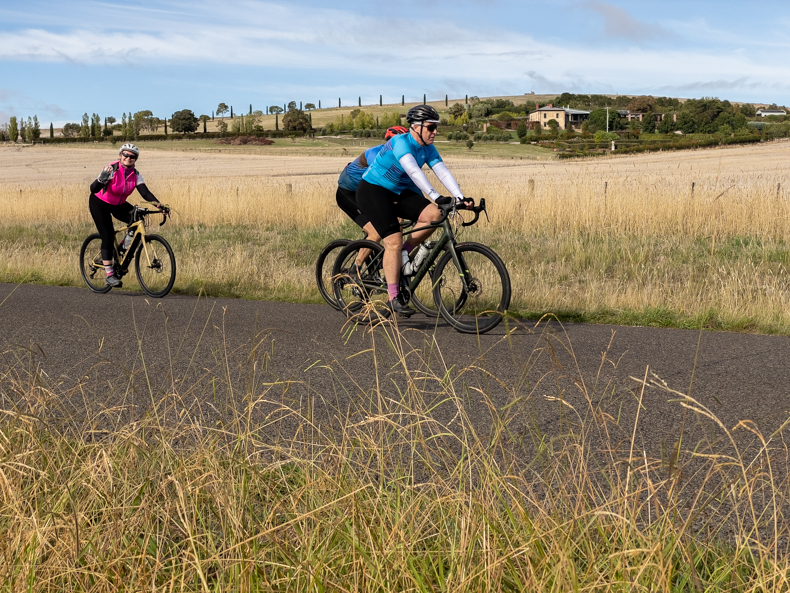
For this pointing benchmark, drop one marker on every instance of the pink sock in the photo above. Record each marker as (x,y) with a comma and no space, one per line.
(392,289)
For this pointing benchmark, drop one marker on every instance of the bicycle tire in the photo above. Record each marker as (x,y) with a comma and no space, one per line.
(93,274)
(351,295)
(323,270)
(482,307)
(156,271)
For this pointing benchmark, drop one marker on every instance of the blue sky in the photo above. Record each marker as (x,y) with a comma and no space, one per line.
(61,59)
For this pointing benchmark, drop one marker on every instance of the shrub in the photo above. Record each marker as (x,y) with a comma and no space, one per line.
(601,136)
(71,130)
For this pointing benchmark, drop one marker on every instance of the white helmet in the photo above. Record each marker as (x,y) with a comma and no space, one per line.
(131,148)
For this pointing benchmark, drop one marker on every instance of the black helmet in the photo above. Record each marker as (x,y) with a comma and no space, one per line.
(421,114)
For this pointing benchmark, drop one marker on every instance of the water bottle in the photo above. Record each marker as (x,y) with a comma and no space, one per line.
(406,265)
(127,240)
(422,251)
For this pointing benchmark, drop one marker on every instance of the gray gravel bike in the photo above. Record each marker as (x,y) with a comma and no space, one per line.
(469,283)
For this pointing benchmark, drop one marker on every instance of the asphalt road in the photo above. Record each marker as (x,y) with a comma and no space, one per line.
(109,360)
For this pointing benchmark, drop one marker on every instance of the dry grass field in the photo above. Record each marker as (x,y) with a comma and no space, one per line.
(677,238)
(387,497)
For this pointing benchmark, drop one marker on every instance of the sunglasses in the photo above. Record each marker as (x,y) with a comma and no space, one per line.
(432,127)
(128,155)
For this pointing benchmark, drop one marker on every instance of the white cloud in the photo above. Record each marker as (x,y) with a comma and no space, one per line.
(620,24)
(349,46)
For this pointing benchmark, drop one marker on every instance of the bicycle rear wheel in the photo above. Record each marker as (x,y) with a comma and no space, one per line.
(155,266)
(356,290)
(323,270)
(91,266)
(480,308)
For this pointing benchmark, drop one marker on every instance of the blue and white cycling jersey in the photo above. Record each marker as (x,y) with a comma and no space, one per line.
(352,174)
(387,171)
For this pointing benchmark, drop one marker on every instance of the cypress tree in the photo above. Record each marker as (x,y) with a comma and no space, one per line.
(319,103)
(445,101)
(423,99)
(276,121)
(212,115)
(204,126)
(285,110)
(467,100)
(300,105)
(51,131)
(403,100)
(338,102)
(165,126)
(360,101)
(250,108)
(231,112)
(380,103)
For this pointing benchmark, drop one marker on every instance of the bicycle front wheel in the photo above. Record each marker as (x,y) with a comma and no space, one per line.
(479,306)
(91,266)
(323,270)
(155,266)
(356,288)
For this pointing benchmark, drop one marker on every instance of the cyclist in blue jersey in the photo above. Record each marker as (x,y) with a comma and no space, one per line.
(349,180)
(391,188)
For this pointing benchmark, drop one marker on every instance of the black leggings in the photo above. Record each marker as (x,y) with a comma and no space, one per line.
(102,214)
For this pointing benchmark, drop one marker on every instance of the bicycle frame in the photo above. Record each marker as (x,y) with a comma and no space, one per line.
(446,240)
(139,237)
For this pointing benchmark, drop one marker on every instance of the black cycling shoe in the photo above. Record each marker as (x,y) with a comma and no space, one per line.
(397,305)
(114,281)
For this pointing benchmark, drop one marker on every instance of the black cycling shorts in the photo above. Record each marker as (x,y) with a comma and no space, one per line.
(383,207)
(102,214)
(346,200)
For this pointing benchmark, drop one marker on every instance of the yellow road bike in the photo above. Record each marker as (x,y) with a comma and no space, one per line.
(154,262)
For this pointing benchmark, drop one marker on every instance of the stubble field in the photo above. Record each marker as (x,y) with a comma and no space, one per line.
(684,238)
(389,498)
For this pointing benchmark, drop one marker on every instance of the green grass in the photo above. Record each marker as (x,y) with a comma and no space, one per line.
(738,284)
(342,146)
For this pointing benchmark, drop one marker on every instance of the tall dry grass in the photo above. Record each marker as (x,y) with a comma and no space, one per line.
(648,239)
(377,494)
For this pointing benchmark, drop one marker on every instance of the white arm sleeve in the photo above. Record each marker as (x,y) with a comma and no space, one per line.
(447,179)
(417,176)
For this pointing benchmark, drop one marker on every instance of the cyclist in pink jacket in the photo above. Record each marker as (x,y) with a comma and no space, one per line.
(108,197)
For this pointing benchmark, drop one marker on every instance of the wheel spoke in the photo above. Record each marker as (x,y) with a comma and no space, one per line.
(91,266)
(155,265)
(472,299)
